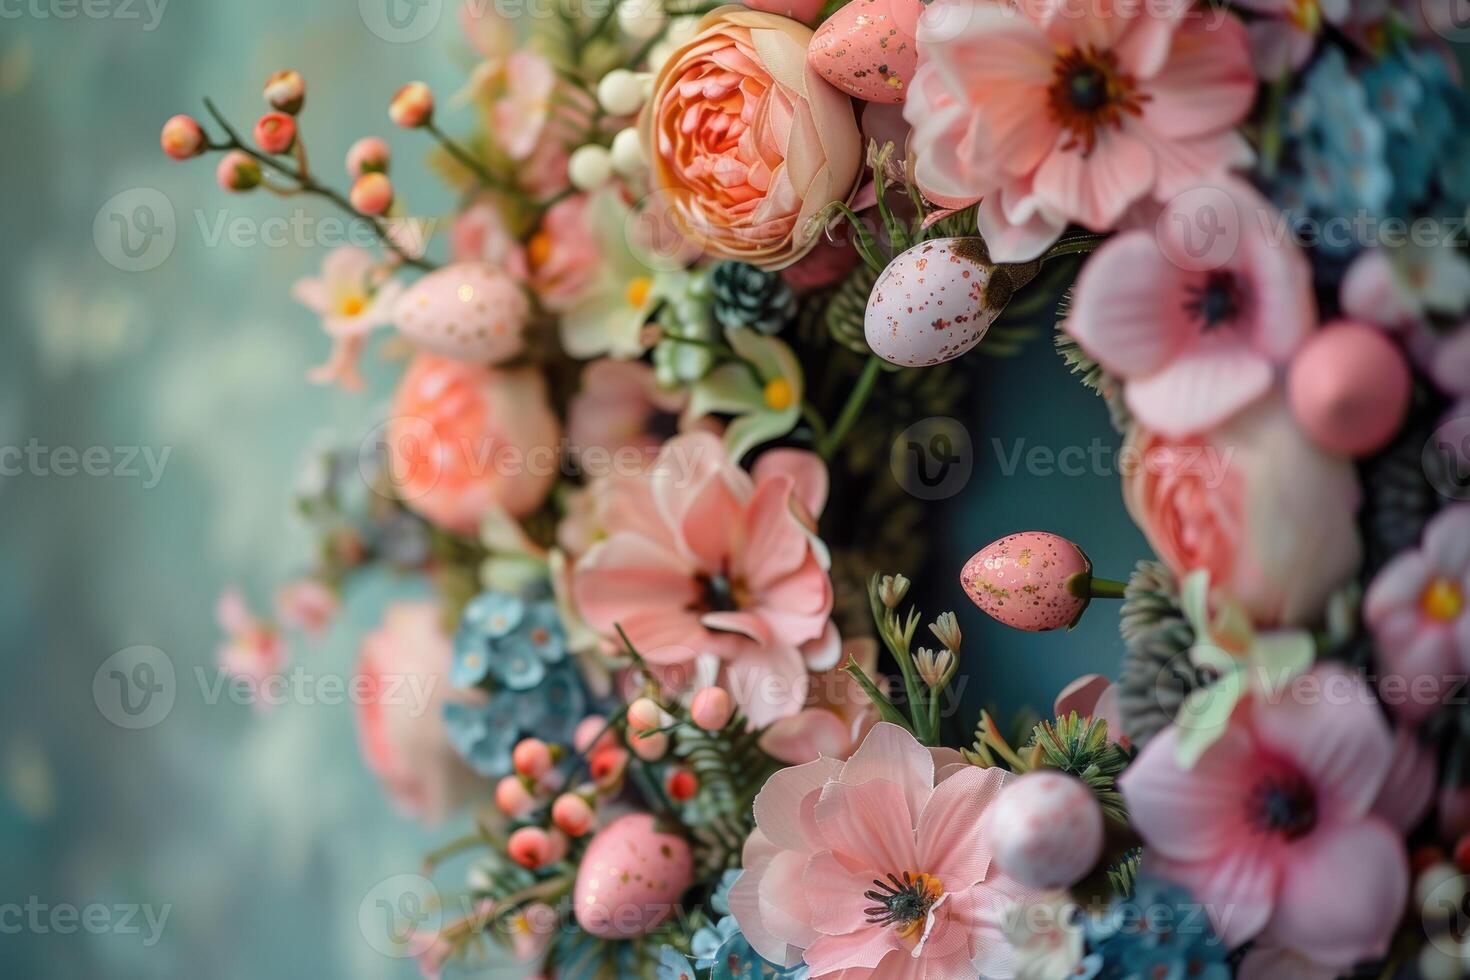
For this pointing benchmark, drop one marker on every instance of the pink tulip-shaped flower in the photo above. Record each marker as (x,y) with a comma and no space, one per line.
(1195,341)
(1054,114)
(1417,608)
(703,558)
(878,867)
(1272,831)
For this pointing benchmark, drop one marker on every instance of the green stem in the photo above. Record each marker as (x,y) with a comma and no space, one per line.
(1078,244)
(309,185)
(853,408)
(468,161)
(1085,585)
(886,708)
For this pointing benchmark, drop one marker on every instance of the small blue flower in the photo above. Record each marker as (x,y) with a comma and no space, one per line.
(483,735)
(493,614)
(720,900)
(673,965)
(1158,931)
(737,961)
(707,941)
(508,639)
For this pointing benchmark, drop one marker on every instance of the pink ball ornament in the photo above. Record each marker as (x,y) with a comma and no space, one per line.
(712,708)
(631,878)
(867,48)
(1349,387)
(1033,580)
(1046,829)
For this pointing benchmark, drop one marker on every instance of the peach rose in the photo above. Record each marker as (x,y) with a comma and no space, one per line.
(465,438)
(746,141)
(1256,503)
(403,670)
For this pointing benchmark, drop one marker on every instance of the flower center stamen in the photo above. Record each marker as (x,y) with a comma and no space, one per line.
(351,305)
(778,395)
(1089,93)
(1443,600)
(637,291)
(1283,803)
(903,903)
(1216,301)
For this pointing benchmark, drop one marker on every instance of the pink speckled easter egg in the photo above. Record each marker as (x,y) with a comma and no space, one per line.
(1046,829)
(929,305)
(1349,387)
(631,878)
(1021,580)
(470,311)
(867,48)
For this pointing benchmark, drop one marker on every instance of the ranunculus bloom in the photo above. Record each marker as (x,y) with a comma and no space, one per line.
(878,867)
(1255,503)
(1418,607)
(1271,830)
(1054,114)
(703,558)
(746,142)
(465,438)
(404,669)
(1194,345)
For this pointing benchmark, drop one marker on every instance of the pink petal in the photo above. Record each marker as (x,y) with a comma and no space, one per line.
(626,574)
(1338,738)
(746,624)
(1370,291)
(952,845)
(783,902)
(1129,311)
(807,471)
(1207,85)
(775,545)
(1012,241)
(1080,696)
(807,735)
(856,954)
(1342,893)
(1096,189)
(1410,785)
(835,894)
(1447,541)
(1399,583)
(711,524)
(750,912)
(890,752)
(1200,388)
(1189,813)
(1237,887)
(783,807)
(769,683)
(869,822)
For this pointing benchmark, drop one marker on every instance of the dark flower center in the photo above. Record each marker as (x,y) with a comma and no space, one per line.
(1283,803)
(1216,301)
(1090,92)
(1088,88)
(717,594)
(904,902)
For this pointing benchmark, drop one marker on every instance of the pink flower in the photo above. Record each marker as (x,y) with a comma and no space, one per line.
(621,408)
(1451,365)
(465,439)
(519,114)
(1194,342)
(1283,40)
(1093,696)
(480,234)
(877,867)
(352,299)
(1271,830)
(703,558)
(306,604)
(1418,611)
(403,668)
(1257,504)
(253,649)
(837,716)
(1053,114)
(564,254)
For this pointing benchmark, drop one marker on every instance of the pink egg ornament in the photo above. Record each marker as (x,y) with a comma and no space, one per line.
(631,878)
(1032,580)
(1349,388)
(470,311)
(932,303)
(867,49)
(1046,829)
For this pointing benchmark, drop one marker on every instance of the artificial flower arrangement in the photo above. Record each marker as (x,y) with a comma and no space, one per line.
(705,259)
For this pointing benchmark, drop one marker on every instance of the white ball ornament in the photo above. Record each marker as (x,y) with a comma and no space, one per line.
(627,154)
(1046,829)
(589,167)
(621,92)
(641,19)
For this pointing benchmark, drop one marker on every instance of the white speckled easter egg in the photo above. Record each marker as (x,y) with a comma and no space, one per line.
(929,305)
(631,878)
(470,311)
(1046,829)
(867,48)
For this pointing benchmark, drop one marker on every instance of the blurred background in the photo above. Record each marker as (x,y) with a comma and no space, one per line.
(154,417)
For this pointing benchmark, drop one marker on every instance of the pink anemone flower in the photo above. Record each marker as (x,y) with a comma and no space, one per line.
(1272,830)
(878,867)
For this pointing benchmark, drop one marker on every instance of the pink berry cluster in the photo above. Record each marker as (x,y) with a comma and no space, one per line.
(604,752)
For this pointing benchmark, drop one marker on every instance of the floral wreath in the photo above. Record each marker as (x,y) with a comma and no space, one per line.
(673,668)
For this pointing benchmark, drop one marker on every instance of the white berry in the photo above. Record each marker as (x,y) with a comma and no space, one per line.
(621,92)
(627,153)
(641,19)
(589,167)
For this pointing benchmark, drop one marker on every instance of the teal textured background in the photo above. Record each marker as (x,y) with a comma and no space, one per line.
(263,833)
